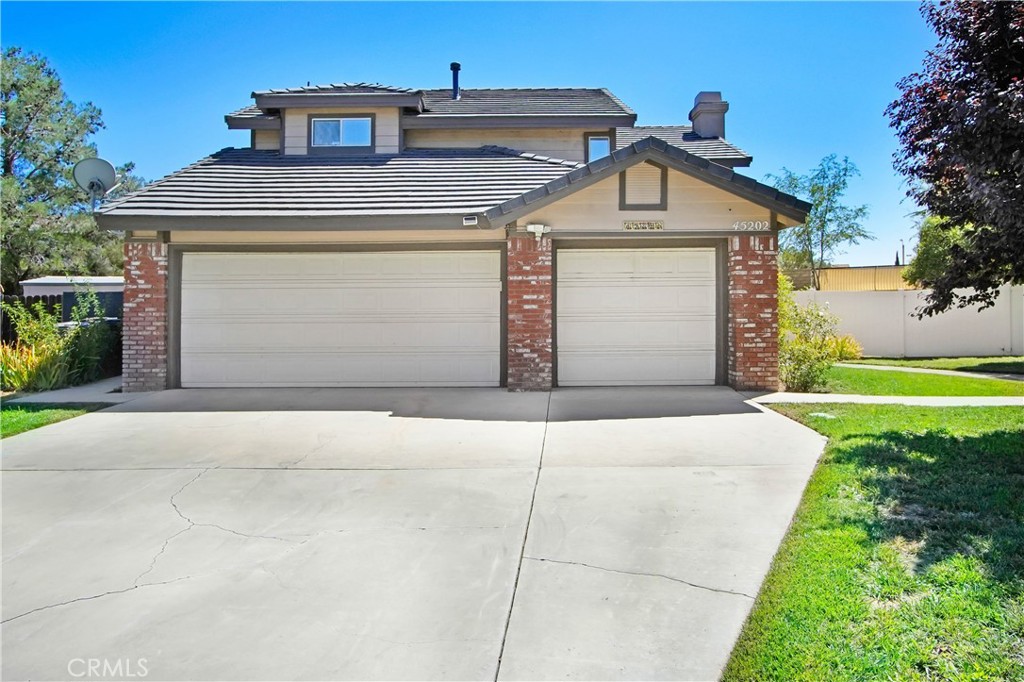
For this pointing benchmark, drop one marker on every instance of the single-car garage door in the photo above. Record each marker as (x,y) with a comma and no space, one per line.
(636,316)
(428,318)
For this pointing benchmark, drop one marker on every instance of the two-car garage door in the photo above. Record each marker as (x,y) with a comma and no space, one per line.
(433,318)
(429,318)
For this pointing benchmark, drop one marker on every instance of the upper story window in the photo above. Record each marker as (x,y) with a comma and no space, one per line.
(598,145)
(341,133)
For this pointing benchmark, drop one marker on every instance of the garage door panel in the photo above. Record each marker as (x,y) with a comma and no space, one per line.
(647,334)
(624,369)
(624,299)
(636,316)
(341,319)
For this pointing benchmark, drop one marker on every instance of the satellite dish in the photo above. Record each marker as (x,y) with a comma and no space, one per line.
(96,177)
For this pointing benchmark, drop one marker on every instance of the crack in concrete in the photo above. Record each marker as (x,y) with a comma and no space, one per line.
(193,524)
(94,596)
(318,448)
(645,575)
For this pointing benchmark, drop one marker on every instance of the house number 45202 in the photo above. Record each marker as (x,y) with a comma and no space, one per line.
(751,225)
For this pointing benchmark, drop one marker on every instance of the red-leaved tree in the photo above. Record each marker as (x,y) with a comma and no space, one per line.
(960,123)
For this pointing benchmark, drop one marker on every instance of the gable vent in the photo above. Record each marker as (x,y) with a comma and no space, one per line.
(643,184)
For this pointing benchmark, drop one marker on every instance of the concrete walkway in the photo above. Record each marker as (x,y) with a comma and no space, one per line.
(102,391)
(447,534)
(924,401)
(929,370)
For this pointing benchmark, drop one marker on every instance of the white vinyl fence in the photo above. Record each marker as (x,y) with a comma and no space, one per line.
(882,322)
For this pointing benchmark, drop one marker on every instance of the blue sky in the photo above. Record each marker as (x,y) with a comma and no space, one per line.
(803,79)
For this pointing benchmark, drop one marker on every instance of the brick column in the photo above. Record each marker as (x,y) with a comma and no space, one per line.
(144,367)
(753,313)
(530,316)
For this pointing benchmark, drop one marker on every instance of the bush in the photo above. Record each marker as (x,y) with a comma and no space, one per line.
(51,355)
(847,348)
(92,339)
(808,342)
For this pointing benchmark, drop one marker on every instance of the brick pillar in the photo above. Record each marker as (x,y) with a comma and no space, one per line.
(753,313)
(530,316)
(144,367)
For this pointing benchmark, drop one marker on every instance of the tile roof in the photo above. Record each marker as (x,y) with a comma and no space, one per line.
(247,182)
(647,148)
(524,101)
(714,148)
(340,88)
(251,111)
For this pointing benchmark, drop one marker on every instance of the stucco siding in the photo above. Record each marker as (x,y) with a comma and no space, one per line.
(559,143)
(693,206)
(266,139)
(296,122)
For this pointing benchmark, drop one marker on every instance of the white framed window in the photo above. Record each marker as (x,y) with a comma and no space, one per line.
(341,132)
(598,146)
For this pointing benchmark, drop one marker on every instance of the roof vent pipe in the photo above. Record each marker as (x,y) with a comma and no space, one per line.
(455,80)
(708,114)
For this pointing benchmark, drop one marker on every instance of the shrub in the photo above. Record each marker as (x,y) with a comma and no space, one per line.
(808,342)
(34,368)
(49,355)
(92,339)
(847,348)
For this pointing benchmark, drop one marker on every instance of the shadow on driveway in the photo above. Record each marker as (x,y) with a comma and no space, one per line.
(474,404)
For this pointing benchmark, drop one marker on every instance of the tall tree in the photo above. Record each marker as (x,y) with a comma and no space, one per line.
(46,227)
(831,224)
(960,123)
(935,241)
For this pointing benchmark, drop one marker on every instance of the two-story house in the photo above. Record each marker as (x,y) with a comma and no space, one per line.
(381,236)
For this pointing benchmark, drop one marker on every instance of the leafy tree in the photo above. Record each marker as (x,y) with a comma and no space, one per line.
(831,224)
(46,226)
(935,241)
(960,123)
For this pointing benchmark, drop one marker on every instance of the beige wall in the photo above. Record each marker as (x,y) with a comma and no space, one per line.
(266,139)
(884,324)
(559,143)
(338,237)
(296,122)
(692,206)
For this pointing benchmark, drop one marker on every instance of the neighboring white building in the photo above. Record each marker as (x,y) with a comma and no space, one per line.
(54,285)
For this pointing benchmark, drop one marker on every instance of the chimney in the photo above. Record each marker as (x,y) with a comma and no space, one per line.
(455,80)
(708,114)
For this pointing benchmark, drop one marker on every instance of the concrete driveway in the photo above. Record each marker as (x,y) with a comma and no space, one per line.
(395,534)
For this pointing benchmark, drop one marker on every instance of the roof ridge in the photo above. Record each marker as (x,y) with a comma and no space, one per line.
(336,86)
(508,151)
(564,87)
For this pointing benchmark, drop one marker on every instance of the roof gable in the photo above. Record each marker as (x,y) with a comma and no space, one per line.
(650,149)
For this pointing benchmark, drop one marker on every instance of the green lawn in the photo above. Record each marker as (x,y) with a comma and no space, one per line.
(16,419)
(880,382)
(905,560)
(1000,365)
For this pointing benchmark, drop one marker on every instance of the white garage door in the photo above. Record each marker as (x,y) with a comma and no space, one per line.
(636,317)
(341,319)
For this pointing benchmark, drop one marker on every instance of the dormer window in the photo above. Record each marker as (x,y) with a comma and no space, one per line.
(598,145)
(340,134)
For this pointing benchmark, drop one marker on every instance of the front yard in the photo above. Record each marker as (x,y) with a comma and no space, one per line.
(998,365)
(18,418)
(880,382)
(906,557)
